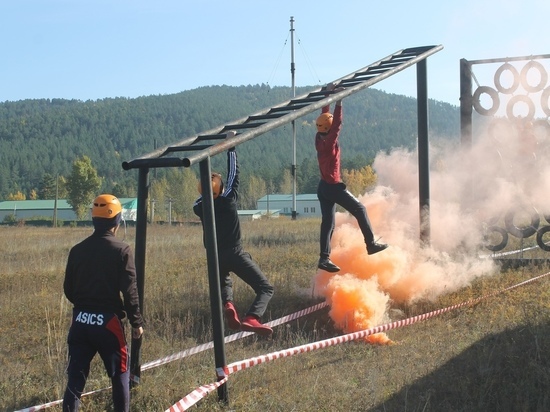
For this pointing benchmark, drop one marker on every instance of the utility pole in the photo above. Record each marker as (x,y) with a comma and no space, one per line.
(170,212)
(292,72)
(55,201)
(153,201)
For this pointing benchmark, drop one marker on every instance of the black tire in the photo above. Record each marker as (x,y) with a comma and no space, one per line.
(515,83)
(494,97)
(543,77)
(520,98)
(518,231)
(503,242)
(540,241)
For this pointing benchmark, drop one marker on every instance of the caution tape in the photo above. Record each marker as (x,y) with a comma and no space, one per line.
(202,391)
(230,338)
(189,352)
(58,402)
(511,252)
(195,396)
(40,407)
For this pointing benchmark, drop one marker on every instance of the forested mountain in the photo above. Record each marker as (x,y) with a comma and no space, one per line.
(44,137)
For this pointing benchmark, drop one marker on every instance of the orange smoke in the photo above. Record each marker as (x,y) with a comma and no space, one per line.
(468,187)
(362,292)
(355,304)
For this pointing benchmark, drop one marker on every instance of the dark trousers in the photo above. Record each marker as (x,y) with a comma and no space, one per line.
(241,264)
(329,196)
(93,333)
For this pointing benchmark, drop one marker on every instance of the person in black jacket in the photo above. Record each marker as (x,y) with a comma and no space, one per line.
(99,269)
(231,256)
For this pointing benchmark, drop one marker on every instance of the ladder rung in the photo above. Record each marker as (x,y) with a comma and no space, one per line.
(173,149)
(287,108)
(265,116)
(243,126)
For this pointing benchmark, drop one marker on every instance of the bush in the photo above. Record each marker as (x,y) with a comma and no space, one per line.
(10,219)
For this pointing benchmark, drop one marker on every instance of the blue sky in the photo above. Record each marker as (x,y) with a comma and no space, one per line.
(88,50)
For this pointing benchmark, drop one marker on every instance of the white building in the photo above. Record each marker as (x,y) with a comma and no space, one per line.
(248,215)
(307,205)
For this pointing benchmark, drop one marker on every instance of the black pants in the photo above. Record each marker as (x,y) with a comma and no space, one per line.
(329,196)
(91,333)
(240,262)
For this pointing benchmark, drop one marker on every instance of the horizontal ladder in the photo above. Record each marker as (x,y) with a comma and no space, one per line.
(214,141)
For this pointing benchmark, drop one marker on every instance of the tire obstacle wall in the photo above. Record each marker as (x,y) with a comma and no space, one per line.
(516,103)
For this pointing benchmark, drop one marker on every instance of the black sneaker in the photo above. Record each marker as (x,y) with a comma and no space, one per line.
(375,247)
(327,265)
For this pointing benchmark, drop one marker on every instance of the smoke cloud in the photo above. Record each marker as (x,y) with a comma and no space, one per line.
(470,188)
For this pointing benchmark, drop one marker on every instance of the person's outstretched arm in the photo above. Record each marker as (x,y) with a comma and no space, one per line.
(232,182)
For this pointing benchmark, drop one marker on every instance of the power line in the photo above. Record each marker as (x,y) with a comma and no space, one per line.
(309,64)
(278,61)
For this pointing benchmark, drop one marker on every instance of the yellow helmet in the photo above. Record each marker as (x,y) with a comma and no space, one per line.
(324,122)
(217,185)
(106,206)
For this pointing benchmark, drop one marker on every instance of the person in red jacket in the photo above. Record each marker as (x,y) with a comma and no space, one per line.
(231,256)
(331,190)
(99,269)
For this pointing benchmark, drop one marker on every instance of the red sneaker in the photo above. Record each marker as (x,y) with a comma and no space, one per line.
(232,316)
(252,324)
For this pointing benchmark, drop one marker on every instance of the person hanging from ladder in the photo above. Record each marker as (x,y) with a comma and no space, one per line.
(231,256)
(331,190)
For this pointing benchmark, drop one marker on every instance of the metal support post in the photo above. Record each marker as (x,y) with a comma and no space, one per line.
(465,103)
(423,149)
(209,227)
(140,247)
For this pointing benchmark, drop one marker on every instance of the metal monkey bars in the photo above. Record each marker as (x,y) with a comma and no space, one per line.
(200,148)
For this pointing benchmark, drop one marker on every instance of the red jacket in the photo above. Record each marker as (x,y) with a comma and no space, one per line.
(328,150)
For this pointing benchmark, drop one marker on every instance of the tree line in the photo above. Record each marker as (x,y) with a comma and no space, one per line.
(42,140)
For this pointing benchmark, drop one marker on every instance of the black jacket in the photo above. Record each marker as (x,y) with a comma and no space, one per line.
(98,269)
(228,228)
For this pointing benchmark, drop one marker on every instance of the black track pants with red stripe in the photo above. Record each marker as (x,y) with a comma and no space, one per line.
(91,333)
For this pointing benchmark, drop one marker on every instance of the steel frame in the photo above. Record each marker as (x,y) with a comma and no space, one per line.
(200,148)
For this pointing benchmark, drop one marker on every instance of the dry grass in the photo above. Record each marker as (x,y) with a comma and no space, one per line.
(494,356)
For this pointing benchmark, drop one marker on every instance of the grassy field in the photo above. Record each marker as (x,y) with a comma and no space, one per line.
(494,356)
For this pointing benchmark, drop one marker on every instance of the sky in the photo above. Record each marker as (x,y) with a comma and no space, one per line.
(89,50)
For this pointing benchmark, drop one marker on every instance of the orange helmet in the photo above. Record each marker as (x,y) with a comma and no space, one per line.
(217,185)
(324,122)
(106,206)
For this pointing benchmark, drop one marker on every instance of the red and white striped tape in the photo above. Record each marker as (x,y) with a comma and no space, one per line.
(193,351)
(202,391)
(193,397)
(230,338)
(58,402)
